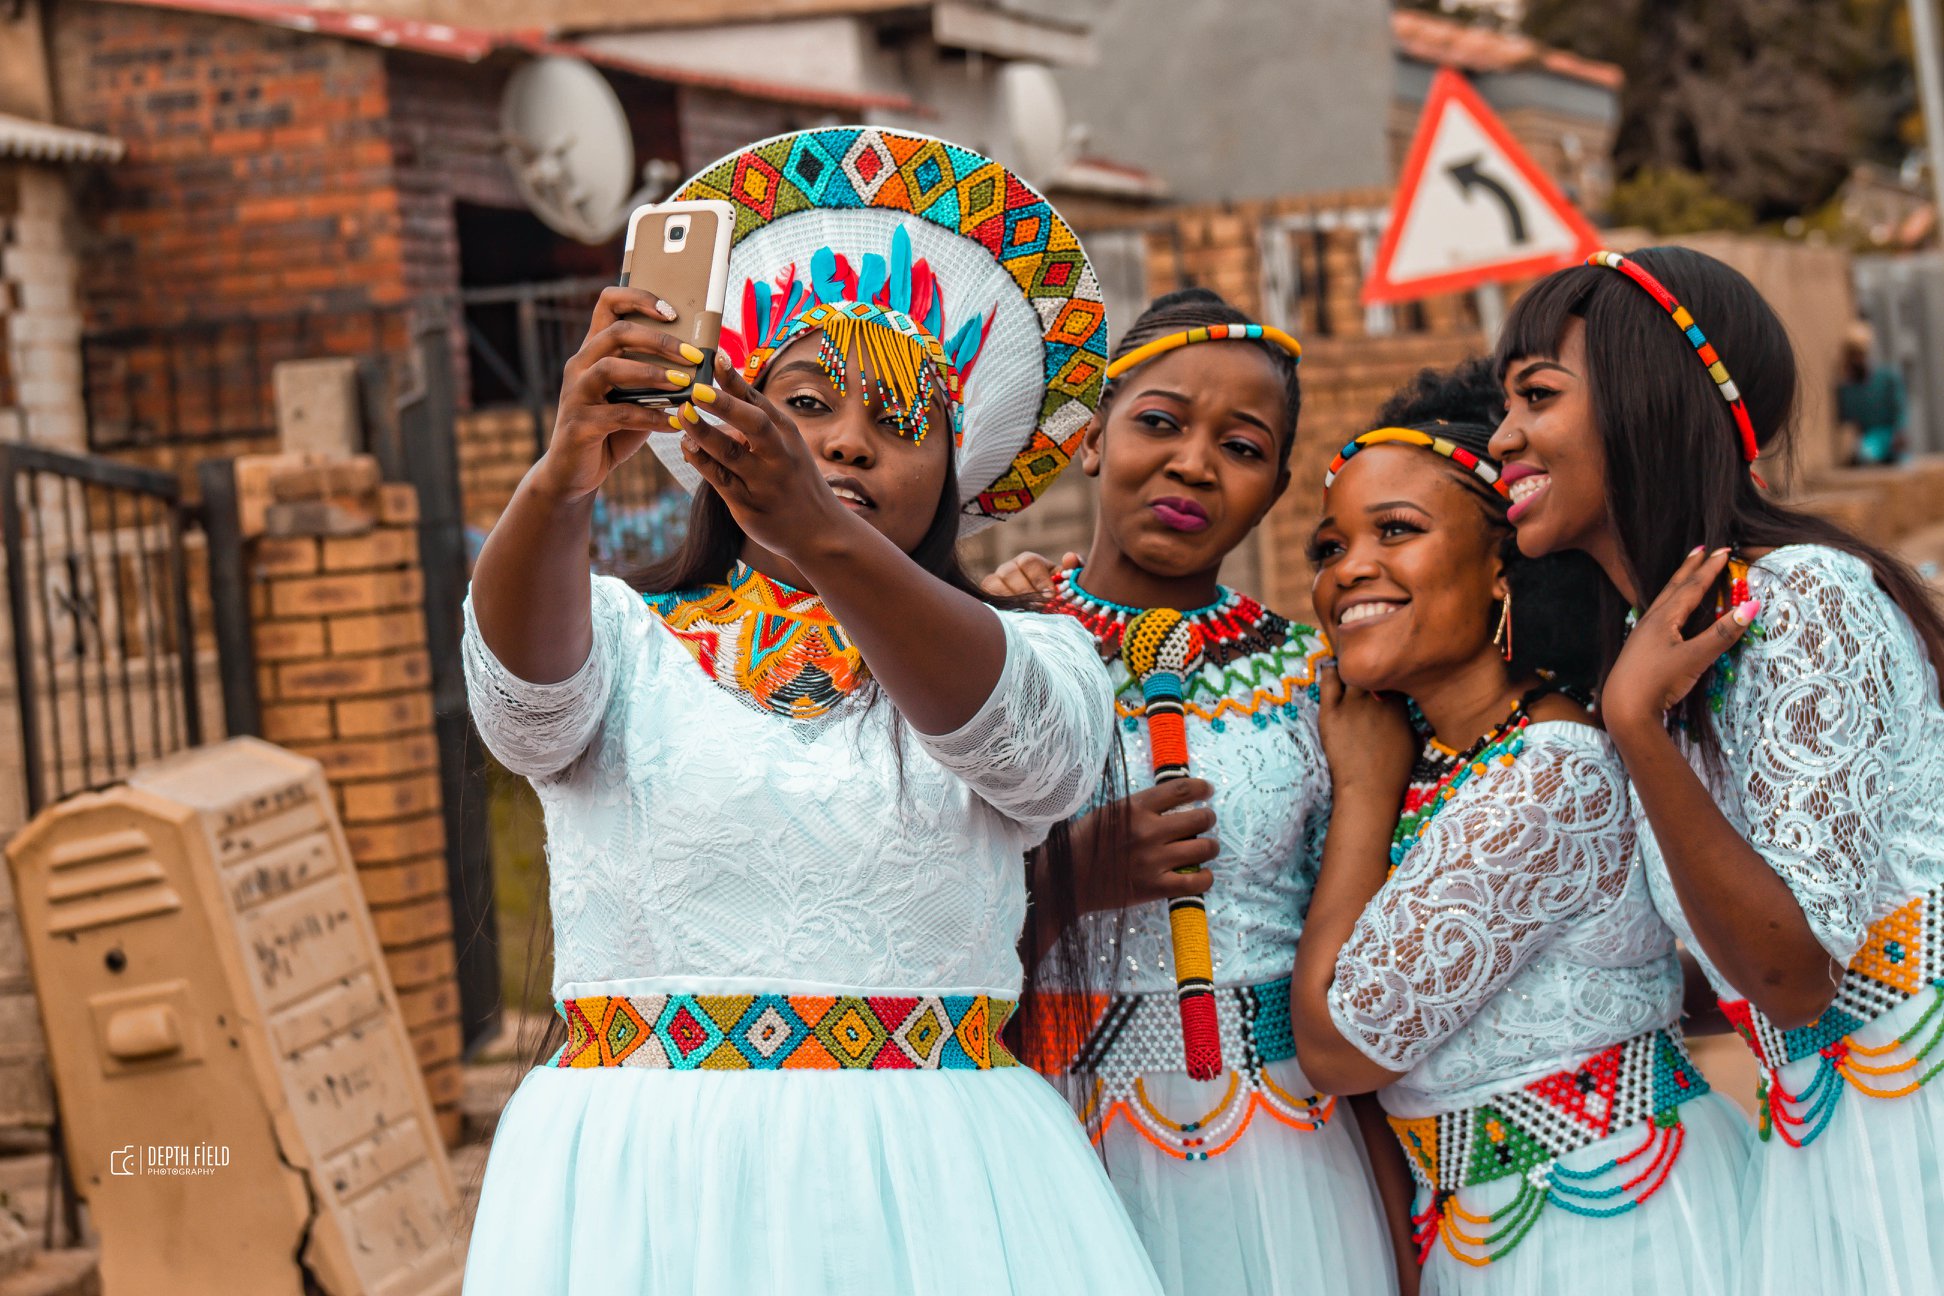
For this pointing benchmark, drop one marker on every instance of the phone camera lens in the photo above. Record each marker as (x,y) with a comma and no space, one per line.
(676,234)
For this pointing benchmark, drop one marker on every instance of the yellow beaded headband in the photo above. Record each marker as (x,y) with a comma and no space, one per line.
(1145,352)
(1484,469)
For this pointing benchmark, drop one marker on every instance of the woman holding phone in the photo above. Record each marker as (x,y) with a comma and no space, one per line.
(789,776)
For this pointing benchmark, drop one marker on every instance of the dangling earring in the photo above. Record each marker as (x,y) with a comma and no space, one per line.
(1503,638)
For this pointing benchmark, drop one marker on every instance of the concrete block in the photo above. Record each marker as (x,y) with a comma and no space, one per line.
(317,406)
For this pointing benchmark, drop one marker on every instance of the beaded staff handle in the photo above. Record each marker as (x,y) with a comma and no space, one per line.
(1161,648)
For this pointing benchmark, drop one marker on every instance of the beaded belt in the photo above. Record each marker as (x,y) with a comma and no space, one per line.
(1120,1040)
(1636,1085)
(770,1032)
(1902,958)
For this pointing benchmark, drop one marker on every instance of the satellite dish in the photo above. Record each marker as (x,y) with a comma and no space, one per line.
(1036,115)
(567,143)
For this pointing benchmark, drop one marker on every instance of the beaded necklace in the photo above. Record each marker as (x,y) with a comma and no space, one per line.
(1233,626)
(1255,664)
(1439,772)
(775,647)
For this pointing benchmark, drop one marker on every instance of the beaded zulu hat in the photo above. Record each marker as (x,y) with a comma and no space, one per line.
(948,272)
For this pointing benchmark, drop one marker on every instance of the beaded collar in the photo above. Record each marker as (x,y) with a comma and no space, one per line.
(1440,772)
(1234,625)
(774,647)
(1254,663)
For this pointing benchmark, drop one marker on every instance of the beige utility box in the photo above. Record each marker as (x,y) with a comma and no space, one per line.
(237,1090)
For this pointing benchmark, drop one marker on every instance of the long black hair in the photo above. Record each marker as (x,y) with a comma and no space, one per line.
(1555,599)
(1189,308)
(1675,477)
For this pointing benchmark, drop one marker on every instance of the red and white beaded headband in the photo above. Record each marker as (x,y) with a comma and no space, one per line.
(1702,347)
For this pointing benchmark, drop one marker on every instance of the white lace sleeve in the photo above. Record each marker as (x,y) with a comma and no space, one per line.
(1518,851)
(1810,731)
(1038,746)
(538,729)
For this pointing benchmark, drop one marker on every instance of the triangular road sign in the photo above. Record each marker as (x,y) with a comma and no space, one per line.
(1472,206)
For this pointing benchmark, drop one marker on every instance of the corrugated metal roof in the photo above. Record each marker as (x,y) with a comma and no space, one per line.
(471,44)
(1446,42)
(45,142)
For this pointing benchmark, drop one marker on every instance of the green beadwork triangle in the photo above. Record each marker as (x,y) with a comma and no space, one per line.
(1500,1148)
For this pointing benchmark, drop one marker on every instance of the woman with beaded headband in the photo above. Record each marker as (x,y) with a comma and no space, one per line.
(1776,704)
(1250,1181)
(788,776)
(1481,948)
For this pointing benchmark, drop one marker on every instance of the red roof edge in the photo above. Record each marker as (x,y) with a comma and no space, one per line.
(471,44)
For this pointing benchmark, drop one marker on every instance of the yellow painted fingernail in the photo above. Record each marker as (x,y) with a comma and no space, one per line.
(679,378)
(691,354)
(674,423)
(689,415)
(704,393)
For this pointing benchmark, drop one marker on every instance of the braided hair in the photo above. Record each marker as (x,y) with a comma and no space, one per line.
(1189,308)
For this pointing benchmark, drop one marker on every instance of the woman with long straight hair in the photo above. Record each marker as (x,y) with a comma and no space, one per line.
(789,777)
(1776,703)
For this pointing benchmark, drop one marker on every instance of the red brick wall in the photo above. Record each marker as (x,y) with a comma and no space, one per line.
(258,184)
(259,168)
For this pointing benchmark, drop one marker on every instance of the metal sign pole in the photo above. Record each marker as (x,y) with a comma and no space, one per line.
(1924,43)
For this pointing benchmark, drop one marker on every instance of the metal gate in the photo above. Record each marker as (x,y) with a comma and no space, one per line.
(103,646)
(519,337)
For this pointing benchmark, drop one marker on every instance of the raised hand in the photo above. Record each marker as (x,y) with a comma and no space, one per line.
(592,437)
(1367,738)
(1660,665)
(757,461)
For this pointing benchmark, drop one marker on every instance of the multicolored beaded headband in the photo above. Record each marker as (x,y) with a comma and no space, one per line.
(897,355)
(1485,470)
(1145,352)
(1702,347)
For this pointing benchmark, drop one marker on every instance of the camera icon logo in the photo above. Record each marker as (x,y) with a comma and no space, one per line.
(122,1161)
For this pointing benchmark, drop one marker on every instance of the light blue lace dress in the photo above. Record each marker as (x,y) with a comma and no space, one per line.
(1514,968)
(811,936)
(1832,767)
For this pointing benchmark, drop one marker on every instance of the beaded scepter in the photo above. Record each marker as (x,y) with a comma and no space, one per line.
(1161,648)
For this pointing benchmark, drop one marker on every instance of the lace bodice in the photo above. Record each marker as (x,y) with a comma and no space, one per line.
(1516,937)
(1252,735)
(690,834)
(1832,750)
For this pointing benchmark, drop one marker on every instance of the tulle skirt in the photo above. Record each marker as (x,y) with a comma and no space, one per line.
(1681,1239)
(1861,1208)
(1282,1212)
(635,1182)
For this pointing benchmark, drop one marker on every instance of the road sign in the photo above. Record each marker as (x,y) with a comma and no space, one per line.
(1472,206)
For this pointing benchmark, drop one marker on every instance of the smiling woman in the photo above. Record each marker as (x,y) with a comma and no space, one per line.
(1776,702)
(1481,947)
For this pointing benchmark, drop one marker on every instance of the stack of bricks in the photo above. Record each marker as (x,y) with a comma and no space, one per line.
(343,677)
(496,447)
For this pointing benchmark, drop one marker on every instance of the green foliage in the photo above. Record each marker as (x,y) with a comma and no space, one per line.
(1773,101)
(1668,200)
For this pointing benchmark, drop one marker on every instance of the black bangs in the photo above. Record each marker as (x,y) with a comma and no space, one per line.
(1537,322)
